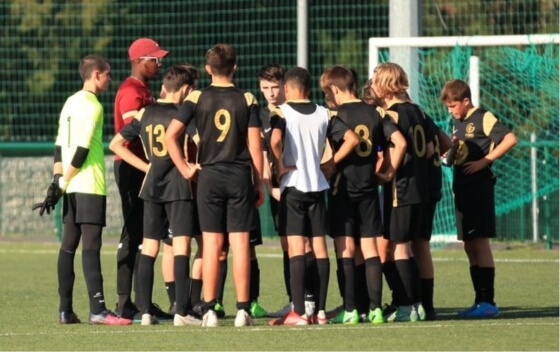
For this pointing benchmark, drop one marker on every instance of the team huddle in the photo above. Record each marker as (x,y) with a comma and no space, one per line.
(195,165)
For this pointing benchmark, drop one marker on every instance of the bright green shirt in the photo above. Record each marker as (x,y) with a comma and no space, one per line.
(81,125)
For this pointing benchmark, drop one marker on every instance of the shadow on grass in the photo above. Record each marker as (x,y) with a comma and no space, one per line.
(505,313)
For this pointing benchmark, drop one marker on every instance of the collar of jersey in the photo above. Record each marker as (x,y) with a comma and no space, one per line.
(393,102)
(351,101)
(298,101)
(469,113)
(222,84)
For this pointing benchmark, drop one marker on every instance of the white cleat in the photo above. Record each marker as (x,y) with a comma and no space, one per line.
(179,320)
(210,319)
(243,319)
(148,319)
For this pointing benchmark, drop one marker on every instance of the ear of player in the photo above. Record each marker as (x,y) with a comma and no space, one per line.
(54,193)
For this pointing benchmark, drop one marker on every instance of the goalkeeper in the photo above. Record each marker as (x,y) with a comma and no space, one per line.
(79,170)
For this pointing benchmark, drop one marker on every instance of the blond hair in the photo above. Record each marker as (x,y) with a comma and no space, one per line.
(389,79)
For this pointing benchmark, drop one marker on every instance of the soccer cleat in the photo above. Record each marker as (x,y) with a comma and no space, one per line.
(210,319)
(345,317)
(172,309)
(66,317)
(107,317)
(483,310)
(334,312)
(180,320)
(320,318)
(148,319)
(403,313)
(376,316)
(220,311)
(129,311)
(283,311)
(243,319)
(388,309)
(421,311)
(292,318)
(309,308)
(464,313)
(159,314)
(257,311)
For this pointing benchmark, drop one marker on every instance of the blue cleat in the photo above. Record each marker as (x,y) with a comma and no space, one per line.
(483,310)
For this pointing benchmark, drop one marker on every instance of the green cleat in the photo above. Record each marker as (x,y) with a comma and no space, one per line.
(376,316)
(219,309)
(404,313)
(345,317)
(257,311)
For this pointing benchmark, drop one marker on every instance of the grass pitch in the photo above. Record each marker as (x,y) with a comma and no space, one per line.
(527,293)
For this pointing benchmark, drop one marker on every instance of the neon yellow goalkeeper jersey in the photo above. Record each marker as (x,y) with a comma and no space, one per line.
(81,125)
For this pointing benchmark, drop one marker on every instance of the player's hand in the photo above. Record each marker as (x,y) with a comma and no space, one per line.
(54,193)
(282,170)
(328,168)
(192,172)
(259,194)
(472,167)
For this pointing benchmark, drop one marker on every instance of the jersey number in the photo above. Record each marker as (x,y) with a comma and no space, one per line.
(437,153)
(364,147)
(222,120)
(156,137)
(418,140)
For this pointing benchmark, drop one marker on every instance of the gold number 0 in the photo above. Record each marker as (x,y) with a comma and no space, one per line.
(418,139)
(157,131)
(222,126)
(365,147)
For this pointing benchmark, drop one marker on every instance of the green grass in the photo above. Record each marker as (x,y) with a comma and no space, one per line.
(527,293)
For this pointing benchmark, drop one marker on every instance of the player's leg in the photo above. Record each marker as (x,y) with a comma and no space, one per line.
(167,271)
(195,291)
(257,311)
(65,264)
(219,308)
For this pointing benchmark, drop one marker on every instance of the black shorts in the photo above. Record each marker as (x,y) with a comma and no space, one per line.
(302,213)
(430,212)
(356,218)
(226,199)
(82,208)
(255,236)
(163,221)
(129,182)
(474,210)
(406,223)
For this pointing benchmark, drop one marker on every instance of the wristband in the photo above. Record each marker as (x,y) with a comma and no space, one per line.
(62,183)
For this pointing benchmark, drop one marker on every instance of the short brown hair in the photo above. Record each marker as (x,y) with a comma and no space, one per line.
(455,90)
(338,76)
(299,77)
(91,63)
(177,76)
(389,78)
(222,59)
(272,72)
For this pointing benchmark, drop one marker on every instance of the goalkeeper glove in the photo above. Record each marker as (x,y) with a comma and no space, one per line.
(53,195)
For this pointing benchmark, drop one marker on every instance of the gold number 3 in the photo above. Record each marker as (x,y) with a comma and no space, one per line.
(222,120)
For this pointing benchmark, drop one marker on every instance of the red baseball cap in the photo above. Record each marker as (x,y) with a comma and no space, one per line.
(145,47)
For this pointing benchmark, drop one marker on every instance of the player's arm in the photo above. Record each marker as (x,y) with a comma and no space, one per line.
(349,139)
(175,129)
(118,147)
(508,142)
(393,155)
(274,192)
(256,151)
(276,146)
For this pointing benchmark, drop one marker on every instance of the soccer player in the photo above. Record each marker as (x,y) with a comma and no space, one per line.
(169,207)
(134,93)
(353,211)
(298,142)
(407,195)
(230,156)
(79,171)
(482,139)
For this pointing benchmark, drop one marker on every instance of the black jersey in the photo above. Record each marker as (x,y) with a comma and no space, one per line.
(410,184)
(478,133)
(434,169)
(223,114)
(266,127)
(355,175)
(163,181)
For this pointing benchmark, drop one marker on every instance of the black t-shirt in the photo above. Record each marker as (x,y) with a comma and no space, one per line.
(357,178)
(163,181)
(434,169)
(223,114)
(410,185)
(478,134)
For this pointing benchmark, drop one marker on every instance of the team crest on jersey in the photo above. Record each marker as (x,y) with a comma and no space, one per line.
(469,131)
(462,153)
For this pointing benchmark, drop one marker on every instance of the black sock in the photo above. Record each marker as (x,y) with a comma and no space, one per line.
(324,271)
(374,282)
(297,280)
(389,271)
(145,282)
(404,283)
(475,282)
(222,280)
(91,264)
(347,281)
(246,306)
(360,288)
(255,280)
(340,278)
(66,277)
(171,291)
(486,275)
(416,289)
(427,286)
(196,292)
(181,285)
(127,262)
(286,266)
(135,274)
(311,277)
